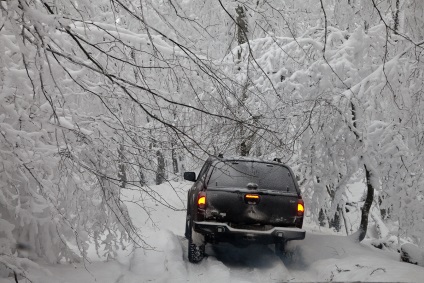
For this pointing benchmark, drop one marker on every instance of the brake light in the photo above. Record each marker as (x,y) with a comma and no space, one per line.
(300,207)
(248,196)
(201,200)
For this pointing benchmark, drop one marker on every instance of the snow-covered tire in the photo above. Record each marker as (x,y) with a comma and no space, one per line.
(195,253)
(196,244)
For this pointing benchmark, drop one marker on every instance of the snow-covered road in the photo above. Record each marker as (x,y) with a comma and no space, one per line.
(317,258)
(224,263)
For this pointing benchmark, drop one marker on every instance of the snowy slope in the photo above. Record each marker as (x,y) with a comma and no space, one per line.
(319,257)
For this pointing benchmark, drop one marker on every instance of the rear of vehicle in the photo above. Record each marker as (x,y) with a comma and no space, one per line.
(244,201)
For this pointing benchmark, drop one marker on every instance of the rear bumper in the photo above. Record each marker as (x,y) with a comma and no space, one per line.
(221,232)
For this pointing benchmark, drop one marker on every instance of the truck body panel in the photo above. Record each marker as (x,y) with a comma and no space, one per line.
(267,207)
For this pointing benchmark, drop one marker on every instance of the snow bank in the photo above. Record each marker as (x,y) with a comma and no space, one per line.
(412,254)
(340,258)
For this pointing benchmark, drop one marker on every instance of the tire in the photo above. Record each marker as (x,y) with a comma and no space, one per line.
(195,253)
(280,248)
(187,233)
(287,256)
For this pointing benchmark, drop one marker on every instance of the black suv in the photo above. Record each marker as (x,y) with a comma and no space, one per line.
(242,200)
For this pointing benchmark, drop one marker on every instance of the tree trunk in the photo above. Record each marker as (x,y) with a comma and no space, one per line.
(343,212)
(396,17)
(322,218)
(363,226)
(242,28)
(122,175)
(142,178)
(141,175)
(174,158)
(160,171)
(367,205)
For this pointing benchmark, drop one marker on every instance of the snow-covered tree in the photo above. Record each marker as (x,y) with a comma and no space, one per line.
(97,96)
(351,96)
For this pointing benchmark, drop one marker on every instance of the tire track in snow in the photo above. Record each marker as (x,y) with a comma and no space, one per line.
(227,263)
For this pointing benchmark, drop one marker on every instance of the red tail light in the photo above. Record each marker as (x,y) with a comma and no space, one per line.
(300,207)
(201,200)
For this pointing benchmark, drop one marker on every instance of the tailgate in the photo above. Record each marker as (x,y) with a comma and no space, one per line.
(251,207)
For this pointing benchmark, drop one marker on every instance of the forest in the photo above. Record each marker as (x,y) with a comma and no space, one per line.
(101,96)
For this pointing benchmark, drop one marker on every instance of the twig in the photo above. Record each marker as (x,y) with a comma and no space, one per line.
(380,268)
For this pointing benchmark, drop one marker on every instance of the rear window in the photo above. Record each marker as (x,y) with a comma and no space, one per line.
(241,174)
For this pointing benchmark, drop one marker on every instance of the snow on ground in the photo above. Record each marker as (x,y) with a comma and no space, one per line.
(319,257)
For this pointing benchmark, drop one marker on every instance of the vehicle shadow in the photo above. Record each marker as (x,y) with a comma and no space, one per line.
(252,256)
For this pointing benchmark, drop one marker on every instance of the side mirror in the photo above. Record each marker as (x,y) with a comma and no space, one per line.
(190,176)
